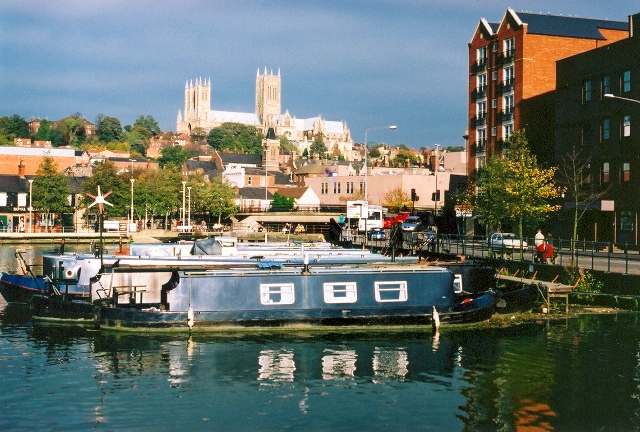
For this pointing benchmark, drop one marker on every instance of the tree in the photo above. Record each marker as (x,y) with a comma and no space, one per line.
(405,155)
(158,192)
(396,199)
(174,155)
(219,198)
(286,146)
(50,131)
(73,129)
(50,190)
(109,129)
(281,203)
(514,186)
(574,175)
(318,146)
(13,127)
(236,137)
(149,123)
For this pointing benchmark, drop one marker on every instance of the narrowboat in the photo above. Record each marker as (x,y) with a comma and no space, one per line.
(271,295)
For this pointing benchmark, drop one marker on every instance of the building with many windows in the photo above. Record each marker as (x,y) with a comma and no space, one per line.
(512,78)
(604,133)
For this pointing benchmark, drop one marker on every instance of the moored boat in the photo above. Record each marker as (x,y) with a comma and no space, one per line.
(349,295)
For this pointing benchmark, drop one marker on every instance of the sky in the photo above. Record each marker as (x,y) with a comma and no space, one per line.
(370,63)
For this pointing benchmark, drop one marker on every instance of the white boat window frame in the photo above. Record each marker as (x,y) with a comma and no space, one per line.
(457,284)
(286,292)
(401,287)
(348,291)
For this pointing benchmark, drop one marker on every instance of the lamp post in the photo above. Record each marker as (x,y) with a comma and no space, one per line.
(132,181)
(189,207)
(184,183)
(439,168)
(366,132)
(30,208)
(609,95)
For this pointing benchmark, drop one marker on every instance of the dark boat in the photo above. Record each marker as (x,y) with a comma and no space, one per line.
(336,295)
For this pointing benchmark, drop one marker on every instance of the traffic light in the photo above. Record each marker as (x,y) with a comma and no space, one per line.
(413,195)
(435,196)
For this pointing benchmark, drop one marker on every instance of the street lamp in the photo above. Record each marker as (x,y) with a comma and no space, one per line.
(132,181)
(30,208)
(189,212)
(609,95)
(184,183)
(392,127)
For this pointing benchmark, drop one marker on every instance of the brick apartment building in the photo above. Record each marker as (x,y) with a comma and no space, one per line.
(512,78)
(606,133)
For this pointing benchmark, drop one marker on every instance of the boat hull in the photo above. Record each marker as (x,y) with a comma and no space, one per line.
(16,288)
(335,297)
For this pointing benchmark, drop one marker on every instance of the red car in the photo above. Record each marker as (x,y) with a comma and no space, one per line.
(402,216)
(388,221)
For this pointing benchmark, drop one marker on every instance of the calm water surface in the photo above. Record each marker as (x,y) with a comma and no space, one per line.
(578,374)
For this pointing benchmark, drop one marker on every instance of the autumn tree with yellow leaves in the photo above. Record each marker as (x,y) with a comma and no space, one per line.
(513,186)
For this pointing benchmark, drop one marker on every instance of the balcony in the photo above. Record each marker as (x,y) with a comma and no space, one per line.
(479,66)
(479,120)
(506,115)
(480,92)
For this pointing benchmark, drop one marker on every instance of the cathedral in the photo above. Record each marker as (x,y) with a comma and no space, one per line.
(268,114)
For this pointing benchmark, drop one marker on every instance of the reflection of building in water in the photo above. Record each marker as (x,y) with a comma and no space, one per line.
(390,363)
(338,364)
(276,365)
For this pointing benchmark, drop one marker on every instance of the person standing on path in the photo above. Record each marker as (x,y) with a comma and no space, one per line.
(539,238)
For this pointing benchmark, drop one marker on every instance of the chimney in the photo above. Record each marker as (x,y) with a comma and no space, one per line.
(21,169)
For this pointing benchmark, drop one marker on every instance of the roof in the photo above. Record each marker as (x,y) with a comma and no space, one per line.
(241,158)
(235,117)
(254,193)
(554,25)
(13,183)
(292,192)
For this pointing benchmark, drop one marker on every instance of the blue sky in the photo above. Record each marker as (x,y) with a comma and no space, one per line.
(370,63)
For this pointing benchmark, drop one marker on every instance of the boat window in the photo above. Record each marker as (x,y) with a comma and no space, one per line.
(277,294)
(341,292)
(457,284)
(391,291)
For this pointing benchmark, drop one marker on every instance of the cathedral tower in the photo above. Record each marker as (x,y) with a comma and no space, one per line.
(268,90)
(197,103)
(271,151)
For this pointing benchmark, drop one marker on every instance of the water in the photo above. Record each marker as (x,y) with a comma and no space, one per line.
(577,374)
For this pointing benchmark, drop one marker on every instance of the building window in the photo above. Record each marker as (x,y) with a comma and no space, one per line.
(495,47)
(482,83)
(350,189)
(3,199)
(626,82)
(508,104)
(482,55)
(626,171)
(481,109)
(482,136)
(606,85)
(336,188)
(626,126)
(494,131)
(509,47)
(494,76)
(249,180)
(361,186)
(342,292)
(606,129)
(605,172)
(626,221)
(508,76)
(324,188)
(587,91)
(507,131)
(494,103)
(22,199)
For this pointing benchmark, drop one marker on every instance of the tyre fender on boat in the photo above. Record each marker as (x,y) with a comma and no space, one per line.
(97,317)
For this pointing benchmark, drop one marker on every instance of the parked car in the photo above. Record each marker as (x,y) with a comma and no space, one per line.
(402,216)
(377,234)
(412,223)
(506,243)
(388,221)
